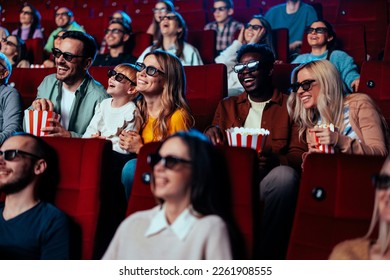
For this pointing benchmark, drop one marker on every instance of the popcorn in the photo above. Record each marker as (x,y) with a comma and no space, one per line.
(326,149)
(247,137)
(35,120)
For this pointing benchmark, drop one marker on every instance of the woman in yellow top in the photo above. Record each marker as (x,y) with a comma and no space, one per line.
(163,106)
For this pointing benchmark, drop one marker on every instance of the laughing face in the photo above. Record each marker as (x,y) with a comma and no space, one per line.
(71,72)
(316,39)
(253,81)
(173,184)
(150,85)
(309,97)
(249,33)
(169,25)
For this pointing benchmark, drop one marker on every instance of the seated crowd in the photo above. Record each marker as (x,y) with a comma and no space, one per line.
(145,101)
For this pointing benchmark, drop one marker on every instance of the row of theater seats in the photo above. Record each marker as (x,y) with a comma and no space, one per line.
(335,199)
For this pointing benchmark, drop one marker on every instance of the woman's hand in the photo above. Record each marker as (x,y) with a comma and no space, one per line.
(257,36)
(325,136)
(241,38)
(130,141)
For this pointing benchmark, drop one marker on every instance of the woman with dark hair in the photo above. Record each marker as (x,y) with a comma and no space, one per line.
(185,225)
(257,30)
(30,23)
(164,109)
(172,39)
(15,50)
(161,8)
(322,39)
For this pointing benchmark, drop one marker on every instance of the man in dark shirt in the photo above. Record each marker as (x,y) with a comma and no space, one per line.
(117,35)
(29,227)
(261,105)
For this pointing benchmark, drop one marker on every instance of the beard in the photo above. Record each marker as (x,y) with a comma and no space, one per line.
(18,184)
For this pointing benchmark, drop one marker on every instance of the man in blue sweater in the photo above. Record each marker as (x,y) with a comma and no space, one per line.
(295,16)
(29,227)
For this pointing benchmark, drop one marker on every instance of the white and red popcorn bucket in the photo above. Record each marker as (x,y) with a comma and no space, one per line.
(36,120)
(326,149)
(247,137)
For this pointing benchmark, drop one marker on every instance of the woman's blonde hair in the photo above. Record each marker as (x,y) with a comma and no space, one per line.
(330,102)
(172,97)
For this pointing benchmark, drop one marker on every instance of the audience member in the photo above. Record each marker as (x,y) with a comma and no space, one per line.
(163,105)
(173,30)
(366,248)
(118,113)
(30,23)
(50,62)
(295,16)
(15,50)
(322,39)
(30,228)
(64,19)
(257,30)
(224,25)
(121,16)
(185,224)
(262,106)
(117,34)
(317,99)
(3,31)
(71,92)
(161,9)
(10,102)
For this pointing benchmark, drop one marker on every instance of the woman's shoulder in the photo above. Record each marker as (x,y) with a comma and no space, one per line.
(353,249)
(144,215)
(360,98)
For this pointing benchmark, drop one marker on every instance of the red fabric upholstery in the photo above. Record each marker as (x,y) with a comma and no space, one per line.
(350,38)
(27,80)
(346,207)
(99,73)
(188,5)
(35,50)
(241,171)
(206,86)
(281,76)
(195,20)
(138,42)
(83,172)
(386,55)
(280,37)
(204,41)
(373,14)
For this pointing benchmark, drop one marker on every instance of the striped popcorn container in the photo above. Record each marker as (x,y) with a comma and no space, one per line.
(326,149)
(247,137)
(35,120)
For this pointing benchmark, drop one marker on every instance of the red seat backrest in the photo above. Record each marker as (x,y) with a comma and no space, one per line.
(99,73)
(280,37)
(281,76)
(138,42)
(204,41)
(206,87)
(386,55)
(35,50)
(83,172)
(241,170)
(335,203)
(27,80)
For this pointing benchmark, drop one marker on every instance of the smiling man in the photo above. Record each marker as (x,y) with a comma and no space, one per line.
(117,34)
(64,19)
(71,92)
(262,106)
(30,228)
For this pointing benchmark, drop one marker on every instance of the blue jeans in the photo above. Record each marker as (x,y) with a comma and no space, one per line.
(128,173)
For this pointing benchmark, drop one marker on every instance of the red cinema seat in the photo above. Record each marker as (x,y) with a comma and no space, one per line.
(195,20)
(281,76)
(188,5)
(204,41)
(99,73)
(386,55)
(241,169)
(206,87)
(138,42)
(373,14)
(280,38)
(335,203)
(83,173)
(35,50)
(27,80)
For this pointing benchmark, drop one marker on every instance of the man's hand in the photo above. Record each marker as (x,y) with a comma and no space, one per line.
(214,133)
(43,104)
(56,129)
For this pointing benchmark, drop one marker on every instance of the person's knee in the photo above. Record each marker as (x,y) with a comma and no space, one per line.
(282,180)
(128,173)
